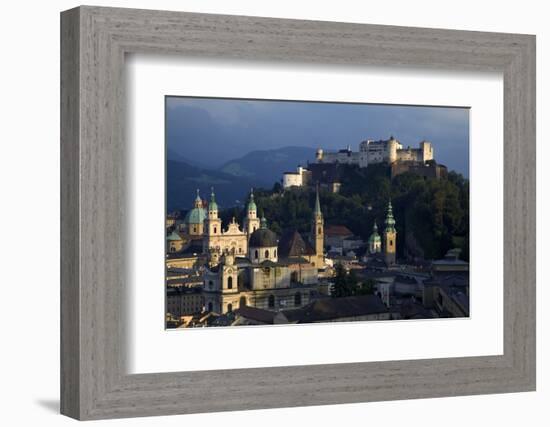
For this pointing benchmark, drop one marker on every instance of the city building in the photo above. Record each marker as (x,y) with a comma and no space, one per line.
(382,151)
(345,309)
(174,242)
(183,301)
(271,274)
(233,239)
(300,178)
(335,235)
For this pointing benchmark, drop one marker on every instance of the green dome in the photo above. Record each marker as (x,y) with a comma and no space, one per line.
(213,206)
(174,237)
(390,221)
(251,204)
(195,216)
(375,237)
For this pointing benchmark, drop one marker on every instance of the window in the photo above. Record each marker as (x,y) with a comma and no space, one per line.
(266,254)
(230,282)
(253,228)
(275,253)
(271,301)
(215,230)
(242,302)
(391,242)
(229,308)
(298,299)
(210,306)
(210,284)
(256,254)
(319,231)
(194,229)
(172,249)
(240,250)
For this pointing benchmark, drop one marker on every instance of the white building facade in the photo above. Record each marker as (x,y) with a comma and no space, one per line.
(299,178)
(373,152)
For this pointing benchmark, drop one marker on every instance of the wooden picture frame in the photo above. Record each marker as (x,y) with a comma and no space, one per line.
(94,41)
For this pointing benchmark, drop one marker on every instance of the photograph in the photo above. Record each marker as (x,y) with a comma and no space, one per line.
(284,212)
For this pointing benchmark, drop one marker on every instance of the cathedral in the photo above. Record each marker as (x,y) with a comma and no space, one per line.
(251,265)
(233,239)
(385,244)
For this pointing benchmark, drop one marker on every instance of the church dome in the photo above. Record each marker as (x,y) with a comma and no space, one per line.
(195,216)
(263,238)
(173,237)
(375,237)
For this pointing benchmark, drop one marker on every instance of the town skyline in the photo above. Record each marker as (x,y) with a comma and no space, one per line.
(307,215)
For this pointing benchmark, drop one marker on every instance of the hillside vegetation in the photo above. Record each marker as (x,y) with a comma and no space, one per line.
(432,215)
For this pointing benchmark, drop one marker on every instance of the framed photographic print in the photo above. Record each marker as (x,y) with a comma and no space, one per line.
(286,213)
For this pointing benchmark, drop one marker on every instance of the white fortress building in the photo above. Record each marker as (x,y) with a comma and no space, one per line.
(371,152)
(299,178)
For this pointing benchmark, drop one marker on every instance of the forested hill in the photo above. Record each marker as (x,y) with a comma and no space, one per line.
(432,216)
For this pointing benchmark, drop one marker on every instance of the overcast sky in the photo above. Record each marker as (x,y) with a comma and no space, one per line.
(212,131)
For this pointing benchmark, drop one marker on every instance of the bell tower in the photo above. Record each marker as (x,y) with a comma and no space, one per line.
(390,237)
(212,224)
(251,220)
(318,232)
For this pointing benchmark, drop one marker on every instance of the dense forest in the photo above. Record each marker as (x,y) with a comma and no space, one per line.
(432,216)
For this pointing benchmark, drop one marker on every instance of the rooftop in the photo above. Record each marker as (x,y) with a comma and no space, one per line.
(335,308)
(292,244)
(257,314)
(337,230)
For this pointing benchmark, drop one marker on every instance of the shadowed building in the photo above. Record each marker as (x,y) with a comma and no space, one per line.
(354,308)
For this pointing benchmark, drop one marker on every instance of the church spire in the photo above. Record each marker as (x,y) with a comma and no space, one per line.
(317,210)
(212,206)
(198,200)
(390,237)
(251,208)
(317,232)
(390,221)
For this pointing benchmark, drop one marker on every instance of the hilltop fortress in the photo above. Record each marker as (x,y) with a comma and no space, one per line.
(325,170)
(382,151)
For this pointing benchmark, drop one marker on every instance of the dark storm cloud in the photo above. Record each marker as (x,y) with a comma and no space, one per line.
(213,131)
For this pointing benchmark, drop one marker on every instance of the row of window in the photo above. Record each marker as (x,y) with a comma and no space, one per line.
(297,300)
(266,253)
(270,302)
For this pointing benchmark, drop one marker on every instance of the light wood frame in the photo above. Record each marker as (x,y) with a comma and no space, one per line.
(94,41)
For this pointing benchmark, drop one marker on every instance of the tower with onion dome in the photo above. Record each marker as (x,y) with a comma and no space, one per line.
(375,241)
(390,237)
(251,220)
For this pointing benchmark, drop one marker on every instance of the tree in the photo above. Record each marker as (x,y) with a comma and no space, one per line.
(435,212)
(345,284)
(366,288)
(277,187)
